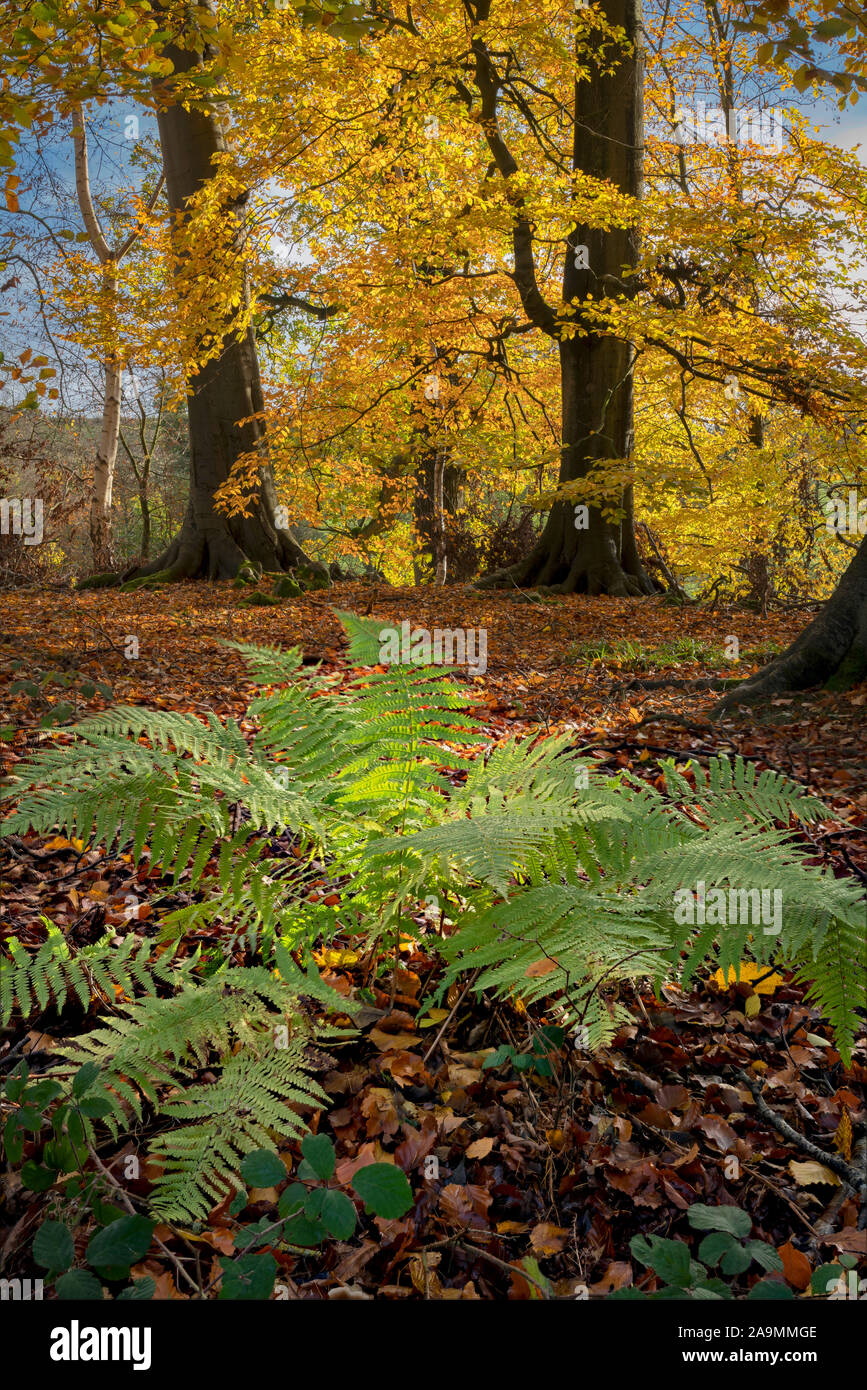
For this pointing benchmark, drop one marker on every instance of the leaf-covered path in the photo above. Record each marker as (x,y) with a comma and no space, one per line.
(533,1179)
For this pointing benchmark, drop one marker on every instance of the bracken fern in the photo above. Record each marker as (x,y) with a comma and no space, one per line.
(561,882)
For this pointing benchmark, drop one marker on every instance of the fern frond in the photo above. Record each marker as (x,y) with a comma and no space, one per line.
(243,1022)
(269,665)
(56,973)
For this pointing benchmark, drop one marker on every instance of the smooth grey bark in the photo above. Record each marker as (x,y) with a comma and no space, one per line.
(100,521)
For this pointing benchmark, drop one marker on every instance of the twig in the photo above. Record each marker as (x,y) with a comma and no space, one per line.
(512,1269)
(127,1201)
(778,1191)
(664,683)
(666,571)
(857,1181)
(827,1221)
(470,982)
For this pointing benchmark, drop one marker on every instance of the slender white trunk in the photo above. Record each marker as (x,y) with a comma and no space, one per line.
(104,466)
(106,453)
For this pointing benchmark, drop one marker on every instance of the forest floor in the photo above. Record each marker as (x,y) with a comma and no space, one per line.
(543,1179)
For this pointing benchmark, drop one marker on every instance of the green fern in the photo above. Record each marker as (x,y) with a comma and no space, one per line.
(392,794)
(636,849)
(243,1022)
(54,974)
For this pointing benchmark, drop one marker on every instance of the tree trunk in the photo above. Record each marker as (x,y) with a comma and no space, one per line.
(436,496)
(833,649)
(582,550)
(103,468)
(600,556)
(223,391)
(106,451)
(145,509)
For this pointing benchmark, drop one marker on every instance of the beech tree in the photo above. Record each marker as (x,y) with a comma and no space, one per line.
(545,300)
(577,261)
(832,649)
(225,390)
(595,551)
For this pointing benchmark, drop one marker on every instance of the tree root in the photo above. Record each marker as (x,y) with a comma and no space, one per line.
(540,571)
(218,555)
(832,649)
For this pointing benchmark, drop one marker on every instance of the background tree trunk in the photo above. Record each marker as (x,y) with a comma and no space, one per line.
(225,390)
(104,467)
(106,451)
(145,508)
(832,649)
(436,496)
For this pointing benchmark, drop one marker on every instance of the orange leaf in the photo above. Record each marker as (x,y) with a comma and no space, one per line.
(547,1239)
(480,1148)
(391,1042)
(843,1136)
(796,1267)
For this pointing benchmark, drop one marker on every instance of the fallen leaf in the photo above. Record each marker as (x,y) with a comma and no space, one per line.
(547,1239)
(748,972)
(718,1131)
(540,967)
(796,1267)
(843,1136)
(853,1241)
(391,1042)
(480,1148)
(810,1171)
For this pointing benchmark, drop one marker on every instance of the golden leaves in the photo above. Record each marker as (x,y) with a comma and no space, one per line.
(763,980)
(843,1135)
